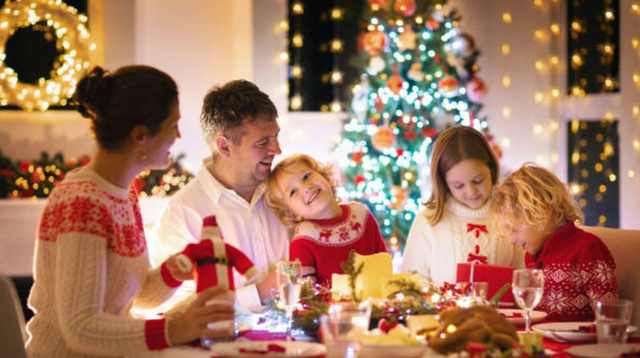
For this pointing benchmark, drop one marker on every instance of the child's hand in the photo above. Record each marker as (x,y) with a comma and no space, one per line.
(309,273)
(268,284)
(174,268)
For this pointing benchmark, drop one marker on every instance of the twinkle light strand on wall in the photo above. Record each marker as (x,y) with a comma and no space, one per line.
(547,95)
(634,170)
(281,28)
(336,46)
(505,50)
(296,44)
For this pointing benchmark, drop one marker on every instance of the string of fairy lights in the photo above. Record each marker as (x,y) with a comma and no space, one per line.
(605,82)
(635,110)
(297,42)
(506,80)
(547,94)
(336,48)
(297,72)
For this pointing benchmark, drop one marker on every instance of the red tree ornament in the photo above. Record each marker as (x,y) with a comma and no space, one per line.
(429,132)
(409,135)
(395,82)
(405,7)
(373,42)
(448,86)
(379,3)
(357,157)
(432,24)
(383,139)
(476,89)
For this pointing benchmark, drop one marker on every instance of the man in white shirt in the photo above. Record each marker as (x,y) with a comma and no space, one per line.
(239,123)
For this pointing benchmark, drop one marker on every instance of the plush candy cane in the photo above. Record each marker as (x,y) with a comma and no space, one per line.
(214,259)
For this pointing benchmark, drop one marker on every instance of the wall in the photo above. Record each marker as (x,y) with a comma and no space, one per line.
(200,43)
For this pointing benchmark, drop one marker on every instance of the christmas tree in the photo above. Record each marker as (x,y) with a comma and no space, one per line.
(418,78)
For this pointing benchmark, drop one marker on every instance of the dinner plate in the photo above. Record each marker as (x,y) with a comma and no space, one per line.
(569,331)
(247,349)
(396,351)
(516,317)
(603,350)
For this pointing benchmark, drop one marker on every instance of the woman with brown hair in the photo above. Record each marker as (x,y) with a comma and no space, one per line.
(91,262)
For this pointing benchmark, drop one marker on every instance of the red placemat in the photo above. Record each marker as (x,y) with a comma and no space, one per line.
(263,335)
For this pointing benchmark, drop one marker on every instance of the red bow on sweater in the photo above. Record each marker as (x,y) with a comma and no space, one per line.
(471,227)
(477,258)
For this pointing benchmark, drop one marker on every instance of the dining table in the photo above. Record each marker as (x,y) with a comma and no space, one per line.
(256,328)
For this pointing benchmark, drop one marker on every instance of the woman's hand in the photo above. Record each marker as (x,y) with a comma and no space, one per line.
(192,324)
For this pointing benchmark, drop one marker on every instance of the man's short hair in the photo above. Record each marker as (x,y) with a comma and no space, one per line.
(226,107)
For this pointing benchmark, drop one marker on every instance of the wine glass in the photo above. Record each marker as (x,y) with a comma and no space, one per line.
(528,287)
(289,286)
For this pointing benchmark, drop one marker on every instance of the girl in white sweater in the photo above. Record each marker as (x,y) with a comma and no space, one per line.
(456,225)
(91,261)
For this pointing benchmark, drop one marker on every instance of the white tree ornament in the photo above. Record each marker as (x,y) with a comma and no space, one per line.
(72,43)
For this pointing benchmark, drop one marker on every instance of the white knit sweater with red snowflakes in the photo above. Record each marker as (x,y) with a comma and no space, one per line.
(578,270)
(91,267)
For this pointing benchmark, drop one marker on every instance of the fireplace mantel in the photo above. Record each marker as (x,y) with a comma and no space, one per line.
(19,220)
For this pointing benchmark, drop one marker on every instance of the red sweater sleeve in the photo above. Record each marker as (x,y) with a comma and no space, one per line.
(154,331)
(300,250)
(374,233)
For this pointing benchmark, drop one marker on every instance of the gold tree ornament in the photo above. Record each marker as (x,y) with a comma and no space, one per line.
(72,41)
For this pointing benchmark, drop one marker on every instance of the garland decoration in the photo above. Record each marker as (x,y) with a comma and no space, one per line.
(36,179)
(72,43)
(161,183)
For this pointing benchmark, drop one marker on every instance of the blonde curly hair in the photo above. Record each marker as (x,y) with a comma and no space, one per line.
(532,196)
(274,197)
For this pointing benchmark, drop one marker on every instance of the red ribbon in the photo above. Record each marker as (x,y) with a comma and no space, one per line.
(477,258)
(471,227)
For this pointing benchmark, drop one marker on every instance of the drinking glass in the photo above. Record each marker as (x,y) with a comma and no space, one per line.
(612,319)
(289,286)
(528,287)
(342,328)
(227,329)
(479,292)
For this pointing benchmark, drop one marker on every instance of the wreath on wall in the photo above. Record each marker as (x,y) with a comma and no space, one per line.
(71,42)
